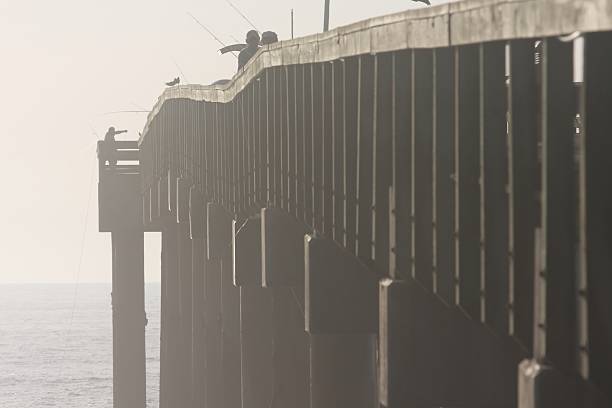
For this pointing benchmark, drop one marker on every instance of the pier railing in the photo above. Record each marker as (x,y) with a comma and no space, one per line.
(432,146)
(124,154)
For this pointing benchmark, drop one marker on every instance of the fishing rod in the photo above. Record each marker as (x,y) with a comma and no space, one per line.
(209,32)
(245,18)
(180,70)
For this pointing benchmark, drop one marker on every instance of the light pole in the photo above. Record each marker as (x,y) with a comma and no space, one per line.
(326,16)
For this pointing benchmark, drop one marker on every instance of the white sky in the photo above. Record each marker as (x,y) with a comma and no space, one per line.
(63,64)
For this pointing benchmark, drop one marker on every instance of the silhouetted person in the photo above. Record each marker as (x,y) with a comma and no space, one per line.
(175,81)
(109,138)
(252,40)
(269,37)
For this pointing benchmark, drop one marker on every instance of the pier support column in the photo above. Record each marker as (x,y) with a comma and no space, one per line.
(342,319)
(256,316)
(197,229)
(170,318)
(128,319)
(185,280)
(283,272)
(227,308)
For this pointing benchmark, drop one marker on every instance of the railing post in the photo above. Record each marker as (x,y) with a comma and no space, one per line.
(468,290)
(422,132)
(443,173)
(597,199)
(494,186)
(523,187)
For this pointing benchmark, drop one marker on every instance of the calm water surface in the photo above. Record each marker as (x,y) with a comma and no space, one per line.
(47,361)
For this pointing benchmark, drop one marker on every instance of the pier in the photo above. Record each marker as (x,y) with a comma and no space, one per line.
(410,211)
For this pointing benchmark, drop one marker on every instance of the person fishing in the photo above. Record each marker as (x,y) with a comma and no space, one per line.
(109,139)
(252,40)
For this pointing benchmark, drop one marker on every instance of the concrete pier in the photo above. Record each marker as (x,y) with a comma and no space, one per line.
(411,211)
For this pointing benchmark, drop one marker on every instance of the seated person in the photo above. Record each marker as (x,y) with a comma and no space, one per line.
(269,37)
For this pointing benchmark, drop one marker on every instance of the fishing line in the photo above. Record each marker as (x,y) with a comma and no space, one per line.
(86,147)
(136,105)
(80,264)
(242,14)
(209,31)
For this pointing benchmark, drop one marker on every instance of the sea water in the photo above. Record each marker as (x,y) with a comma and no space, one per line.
(56,345)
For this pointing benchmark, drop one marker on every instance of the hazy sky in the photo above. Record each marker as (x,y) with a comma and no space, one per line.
(64,64)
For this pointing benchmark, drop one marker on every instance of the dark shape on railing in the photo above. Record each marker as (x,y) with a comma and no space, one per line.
(174,82)
(232,48)
(269,37)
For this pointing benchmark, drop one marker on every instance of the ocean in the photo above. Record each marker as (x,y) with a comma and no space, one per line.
(56,348)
